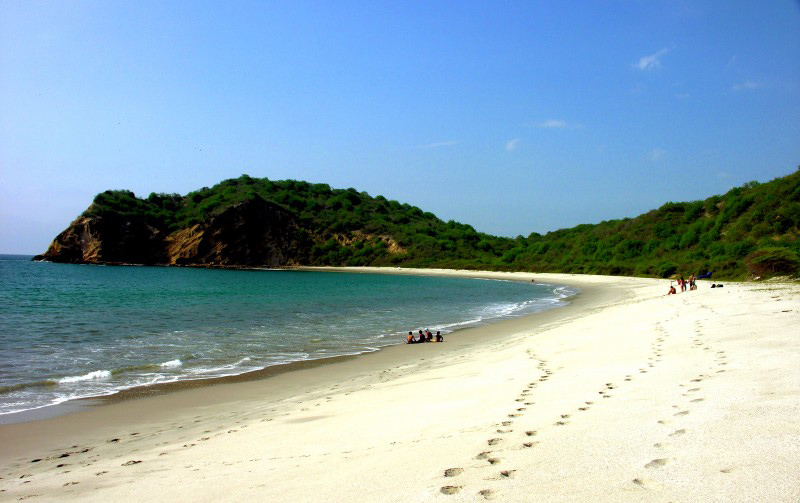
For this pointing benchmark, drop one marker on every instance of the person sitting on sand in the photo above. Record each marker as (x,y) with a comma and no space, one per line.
(429,336)
(421,337)
(410,339)
(439,337)
(672,290)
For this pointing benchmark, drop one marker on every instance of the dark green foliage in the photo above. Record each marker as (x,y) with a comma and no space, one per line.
(679,238)
(347,227)
(772,261)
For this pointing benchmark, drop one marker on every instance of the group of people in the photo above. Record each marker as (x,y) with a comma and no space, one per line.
(683,284)
(426,336)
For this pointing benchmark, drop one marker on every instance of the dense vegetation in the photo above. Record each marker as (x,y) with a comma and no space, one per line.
(750,230)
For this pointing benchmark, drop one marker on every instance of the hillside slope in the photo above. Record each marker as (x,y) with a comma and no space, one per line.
(750,230)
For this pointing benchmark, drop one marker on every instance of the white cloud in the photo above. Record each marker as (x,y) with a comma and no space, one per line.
(656,154)
(438,144)
(748,85)
(552,124)
(652,61)
(511,145)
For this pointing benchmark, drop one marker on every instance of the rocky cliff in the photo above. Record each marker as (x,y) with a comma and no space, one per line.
(252,233)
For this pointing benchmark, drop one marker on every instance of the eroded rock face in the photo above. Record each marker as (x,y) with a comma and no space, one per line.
(111,239)
(252,233)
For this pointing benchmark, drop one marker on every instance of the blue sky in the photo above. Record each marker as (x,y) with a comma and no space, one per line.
(513,117)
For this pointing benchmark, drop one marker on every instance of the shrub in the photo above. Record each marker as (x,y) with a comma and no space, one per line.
(667,269)
(773,261)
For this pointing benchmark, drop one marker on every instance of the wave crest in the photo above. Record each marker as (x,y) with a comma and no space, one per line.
(91,376)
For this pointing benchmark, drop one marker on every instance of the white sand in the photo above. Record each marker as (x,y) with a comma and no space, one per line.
(626,396)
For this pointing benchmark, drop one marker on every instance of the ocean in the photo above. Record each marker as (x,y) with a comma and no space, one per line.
(77,331)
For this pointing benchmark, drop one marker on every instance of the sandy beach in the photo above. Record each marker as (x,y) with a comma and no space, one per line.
(624,395)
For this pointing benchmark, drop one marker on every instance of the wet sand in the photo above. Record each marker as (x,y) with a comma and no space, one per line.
(624,395)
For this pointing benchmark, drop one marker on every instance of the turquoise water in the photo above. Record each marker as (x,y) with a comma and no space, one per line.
(74,331)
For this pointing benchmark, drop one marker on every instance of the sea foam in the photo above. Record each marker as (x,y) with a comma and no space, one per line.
(91,376)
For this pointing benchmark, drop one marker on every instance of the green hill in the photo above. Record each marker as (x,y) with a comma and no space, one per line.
(723,234)
(750,230)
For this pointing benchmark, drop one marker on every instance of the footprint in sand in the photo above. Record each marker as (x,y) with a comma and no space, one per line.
(483,455)
(487,494)
(450,489)
(698,400)
(530,433)
(452,472)
(657,463)
(681,413)
(677,433)
(493,441)
(493,461)
(504,431)
(529,444)
(508,474)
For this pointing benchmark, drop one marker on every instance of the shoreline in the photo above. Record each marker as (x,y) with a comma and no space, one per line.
(137,403)
(137,392)
(623,395)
